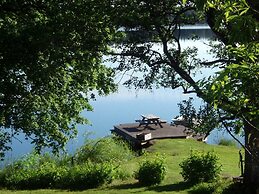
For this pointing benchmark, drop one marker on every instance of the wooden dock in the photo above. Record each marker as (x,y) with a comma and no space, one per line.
(141,135)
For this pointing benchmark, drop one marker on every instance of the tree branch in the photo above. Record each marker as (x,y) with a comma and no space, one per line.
(229,132)
(251,124)
(210,17)
(254,6)
(218,61)
(189,91)
(176,66)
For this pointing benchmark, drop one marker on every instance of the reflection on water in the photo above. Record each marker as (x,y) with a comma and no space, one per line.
(185,32)
(190,31)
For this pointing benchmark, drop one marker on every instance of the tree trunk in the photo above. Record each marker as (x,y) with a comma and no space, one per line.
(251,173)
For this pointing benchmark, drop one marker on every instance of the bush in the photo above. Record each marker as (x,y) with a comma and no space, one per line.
(87,176)
(31,172)
(204,188)
(109,149)
(34,173)
(46,176)
(151,172)
(200,167)
(40,172)
(221,186)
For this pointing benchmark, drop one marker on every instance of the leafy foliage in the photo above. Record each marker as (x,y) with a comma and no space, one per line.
(180,146)
(88,175)
(95,164)
(235,88)
(241,13)
(32,172)
(238,83)
(204,188)
(200,167)
(151,171)
(221,186)
(159,22)
(201,121)
(51,66)
(217,187)
(108,149)
(42,172)
(232,92)
(5,138)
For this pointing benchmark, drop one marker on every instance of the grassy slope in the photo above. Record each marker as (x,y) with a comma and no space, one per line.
(175,151)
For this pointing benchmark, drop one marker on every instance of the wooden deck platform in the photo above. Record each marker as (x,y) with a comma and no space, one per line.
(132,132)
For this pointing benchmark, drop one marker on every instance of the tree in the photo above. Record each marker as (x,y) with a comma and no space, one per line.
(51,67)
(236,24)
(160,23)
(233,91)
(151,23)
(202,121)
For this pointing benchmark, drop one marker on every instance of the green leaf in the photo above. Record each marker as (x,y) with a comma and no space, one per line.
(246,101)
(213,87)
(226,78)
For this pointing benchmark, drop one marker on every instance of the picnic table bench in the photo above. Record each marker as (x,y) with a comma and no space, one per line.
(150,119)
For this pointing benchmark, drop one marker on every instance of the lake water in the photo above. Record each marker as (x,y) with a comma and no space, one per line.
(124,107)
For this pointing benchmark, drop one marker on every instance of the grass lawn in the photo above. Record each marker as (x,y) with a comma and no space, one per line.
(175,150)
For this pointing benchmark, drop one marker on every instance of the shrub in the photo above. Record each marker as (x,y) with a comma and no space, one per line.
(32,172)
(204,188)
(221,186)
(40,172)
(87,176)
(46,176)
(151,172)
(200,167)
(109,149)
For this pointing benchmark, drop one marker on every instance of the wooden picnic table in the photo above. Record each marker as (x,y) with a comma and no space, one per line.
(150,119)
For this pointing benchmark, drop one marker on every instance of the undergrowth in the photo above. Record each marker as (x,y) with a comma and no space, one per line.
(96,163)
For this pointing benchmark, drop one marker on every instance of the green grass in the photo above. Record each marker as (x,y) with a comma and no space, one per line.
(227,142)
(175,150)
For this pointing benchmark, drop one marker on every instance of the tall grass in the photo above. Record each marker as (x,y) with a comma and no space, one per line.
(227,142)
(174,150)
(96,163)
(221,186)
(108,149)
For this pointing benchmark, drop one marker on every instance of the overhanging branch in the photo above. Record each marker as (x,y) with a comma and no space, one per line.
(230,133)
(209,63)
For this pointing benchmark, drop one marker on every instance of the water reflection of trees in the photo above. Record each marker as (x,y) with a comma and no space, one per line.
(186,32)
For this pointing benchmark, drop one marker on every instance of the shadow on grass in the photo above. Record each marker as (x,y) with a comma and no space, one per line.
(158,188)
(172,187)
(237,188)
(127,186)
